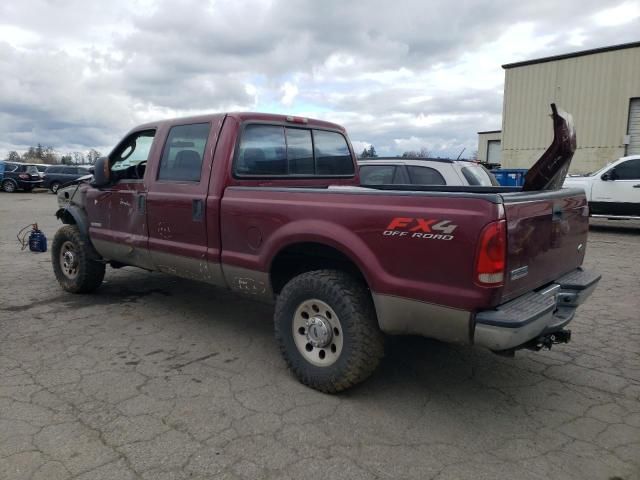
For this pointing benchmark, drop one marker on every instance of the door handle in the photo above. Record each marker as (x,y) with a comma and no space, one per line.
(557,213)
(197,210)
(636,186)
(142,203)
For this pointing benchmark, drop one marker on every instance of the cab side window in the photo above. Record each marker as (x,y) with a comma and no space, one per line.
(183,152)
(129,159)
(629,170)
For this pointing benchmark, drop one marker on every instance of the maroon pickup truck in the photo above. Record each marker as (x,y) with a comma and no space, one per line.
(271,207)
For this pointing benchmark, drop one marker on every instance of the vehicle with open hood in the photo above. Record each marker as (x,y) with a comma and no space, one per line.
(272,208)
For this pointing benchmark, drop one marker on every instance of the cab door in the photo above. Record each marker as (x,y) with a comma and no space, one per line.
(177,204)
(617,191)
(118,225)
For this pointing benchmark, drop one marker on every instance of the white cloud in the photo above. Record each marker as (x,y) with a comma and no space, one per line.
(289,93)
(77,74)
(623,13)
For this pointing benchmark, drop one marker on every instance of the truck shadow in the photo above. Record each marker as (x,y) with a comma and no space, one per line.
(422,366)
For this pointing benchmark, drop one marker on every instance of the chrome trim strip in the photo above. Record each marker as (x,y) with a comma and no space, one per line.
(403,316)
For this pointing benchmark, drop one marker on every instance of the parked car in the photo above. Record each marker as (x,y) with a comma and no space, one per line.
(614,190)
(58,175)
(244,201)
(422,171)
(42,167)
(19,176)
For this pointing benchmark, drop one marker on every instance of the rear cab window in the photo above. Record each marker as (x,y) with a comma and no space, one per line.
(283,151)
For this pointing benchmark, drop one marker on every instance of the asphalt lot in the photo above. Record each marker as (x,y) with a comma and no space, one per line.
(160,378)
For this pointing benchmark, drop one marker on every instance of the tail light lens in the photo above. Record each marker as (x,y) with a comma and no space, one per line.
(24,176)
(491,255)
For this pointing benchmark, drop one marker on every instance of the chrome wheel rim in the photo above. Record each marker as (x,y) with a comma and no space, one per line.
(69,260)
(317,332)
(54,188)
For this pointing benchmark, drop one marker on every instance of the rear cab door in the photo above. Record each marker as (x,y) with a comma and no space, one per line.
(179,217)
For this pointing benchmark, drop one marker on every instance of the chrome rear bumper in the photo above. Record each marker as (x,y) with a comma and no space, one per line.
(514,324)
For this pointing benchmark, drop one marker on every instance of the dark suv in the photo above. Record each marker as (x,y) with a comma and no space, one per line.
(18,176)
(57,175)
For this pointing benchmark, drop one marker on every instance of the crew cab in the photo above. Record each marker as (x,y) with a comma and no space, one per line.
(19,176)
(424,171)
(614,190)
(272,207)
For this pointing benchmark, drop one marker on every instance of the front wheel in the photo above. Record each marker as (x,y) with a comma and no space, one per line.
(8,186)
(54,187)
(327,330)
(71,256)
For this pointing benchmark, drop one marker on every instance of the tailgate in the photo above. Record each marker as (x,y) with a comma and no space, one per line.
(546,237)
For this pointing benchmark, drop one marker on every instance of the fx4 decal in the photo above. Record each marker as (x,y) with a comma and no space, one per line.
(426,228)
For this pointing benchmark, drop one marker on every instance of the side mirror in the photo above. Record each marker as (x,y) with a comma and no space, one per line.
(610,175)
(101,173)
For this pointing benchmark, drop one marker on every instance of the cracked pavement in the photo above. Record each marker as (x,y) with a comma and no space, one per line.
(154,377)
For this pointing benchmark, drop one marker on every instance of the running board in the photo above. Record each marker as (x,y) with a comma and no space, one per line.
(616,217)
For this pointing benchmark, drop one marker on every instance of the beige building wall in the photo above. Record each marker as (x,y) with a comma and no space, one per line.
(483,143)
(595,89)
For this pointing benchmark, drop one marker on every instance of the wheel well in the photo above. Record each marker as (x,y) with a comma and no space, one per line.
(65,217)
(304,257)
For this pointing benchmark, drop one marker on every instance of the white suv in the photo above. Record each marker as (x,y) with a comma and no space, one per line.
(612,191)
(404,171)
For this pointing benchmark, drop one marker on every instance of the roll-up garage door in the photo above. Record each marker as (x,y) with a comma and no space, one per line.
(494,151)
(634,127)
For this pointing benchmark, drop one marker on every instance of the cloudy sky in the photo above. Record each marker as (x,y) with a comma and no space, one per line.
(402,74)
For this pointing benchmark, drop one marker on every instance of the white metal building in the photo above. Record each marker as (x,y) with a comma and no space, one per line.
(600,88)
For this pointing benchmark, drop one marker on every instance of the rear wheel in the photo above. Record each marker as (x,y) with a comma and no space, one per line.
(54,187)
(71,256)
(9,186)
(327,331)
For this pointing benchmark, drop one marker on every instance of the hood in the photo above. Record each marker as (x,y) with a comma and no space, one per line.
(549,172)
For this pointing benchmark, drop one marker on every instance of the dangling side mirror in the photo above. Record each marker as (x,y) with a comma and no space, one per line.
(101,173)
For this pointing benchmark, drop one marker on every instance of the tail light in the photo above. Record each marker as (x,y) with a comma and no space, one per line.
(491,255)
(24,176)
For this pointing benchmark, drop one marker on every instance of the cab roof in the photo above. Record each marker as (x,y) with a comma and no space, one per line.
(245,117)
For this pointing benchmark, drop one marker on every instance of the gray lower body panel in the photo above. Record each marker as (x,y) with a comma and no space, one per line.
(404,316)
(548,310)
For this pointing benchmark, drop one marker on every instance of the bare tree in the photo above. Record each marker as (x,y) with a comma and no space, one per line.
(93,155)
(13,156)
(422,153)
(78,158)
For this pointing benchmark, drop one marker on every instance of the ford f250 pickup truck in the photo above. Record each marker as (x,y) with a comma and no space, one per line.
(271,207)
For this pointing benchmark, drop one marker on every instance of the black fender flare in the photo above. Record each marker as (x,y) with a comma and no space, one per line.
(74,216)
